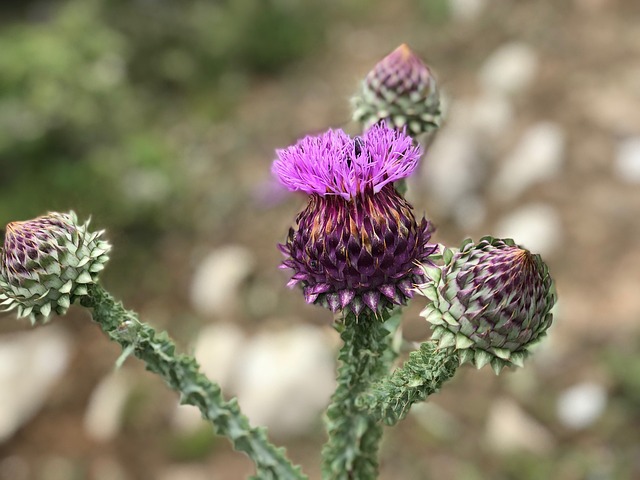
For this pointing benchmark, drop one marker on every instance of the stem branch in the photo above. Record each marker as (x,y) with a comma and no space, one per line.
(181,373)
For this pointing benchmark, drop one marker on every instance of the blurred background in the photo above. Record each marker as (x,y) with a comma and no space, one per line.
(159,119)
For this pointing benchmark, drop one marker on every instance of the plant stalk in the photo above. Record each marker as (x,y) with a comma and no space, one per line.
(182,374)
(354,435)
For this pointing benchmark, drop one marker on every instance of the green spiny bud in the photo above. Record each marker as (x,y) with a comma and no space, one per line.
(47,263)
(491,301)
(401,91)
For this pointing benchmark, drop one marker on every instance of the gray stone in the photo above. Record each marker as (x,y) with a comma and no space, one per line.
(103,417)
(215,285)
(285,379)
(452,167)
(538,157)
(627,161)
(510,429)
(510,69)
(536,227)
(30,364)
(581,405)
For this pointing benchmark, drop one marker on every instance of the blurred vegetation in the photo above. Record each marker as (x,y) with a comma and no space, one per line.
(86,87)
(91,89)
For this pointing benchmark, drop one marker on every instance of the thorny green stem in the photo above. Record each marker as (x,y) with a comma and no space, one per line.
(354,435)
(389,399)
(181,373)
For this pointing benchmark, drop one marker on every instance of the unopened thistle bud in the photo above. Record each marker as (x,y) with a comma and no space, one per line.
(48,262)
(357,243)
(491,301)
(401,91)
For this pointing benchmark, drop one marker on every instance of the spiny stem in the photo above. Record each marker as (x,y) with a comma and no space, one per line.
(354,435)
(390,399)
(181,373)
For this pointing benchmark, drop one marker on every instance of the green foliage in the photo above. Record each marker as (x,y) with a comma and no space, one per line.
(90,93)
(390,399)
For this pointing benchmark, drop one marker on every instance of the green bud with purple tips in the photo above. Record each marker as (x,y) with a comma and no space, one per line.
(47,263)
(400,91)
(490,300)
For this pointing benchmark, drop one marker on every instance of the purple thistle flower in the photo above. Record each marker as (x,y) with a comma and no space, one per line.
(357,243)
(333,163)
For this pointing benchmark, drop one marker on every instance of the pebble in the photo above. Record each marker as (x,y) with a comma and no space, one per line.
(436,420)
(30,364)
(510,429)
(216,282)
(537,227)
(285,379)
(627,161)
(452,167)
(491,114)
(538,156)
(466,10)
(470,213)
(581,405)
(187,472)
(103,417)
(510,69)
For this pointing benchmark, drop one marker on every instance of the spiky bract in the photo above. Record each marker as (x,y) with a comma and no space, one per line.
(46,263)
(490,300)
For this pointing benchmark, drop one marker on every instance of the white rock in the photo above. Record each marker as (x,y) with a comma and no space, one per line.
(581,405)
(466,10)
(187,472)
(30,364)
(491,114)
(452,168)
(510,69)
(536,227)
(103,417)
(627,162)
(538,156)
(286,378)
(510,429)
(216,282)
(218,350)
(436,420)
(470,213)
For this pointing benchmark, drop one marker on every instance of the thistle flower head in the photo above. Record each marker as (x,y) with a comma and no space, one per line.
(334,164)
(401,91)
(490,300)
(357,243)
(47,262)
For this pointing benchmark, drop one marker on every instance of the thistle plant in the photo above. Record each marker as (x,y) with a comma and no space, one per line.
(356,249)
